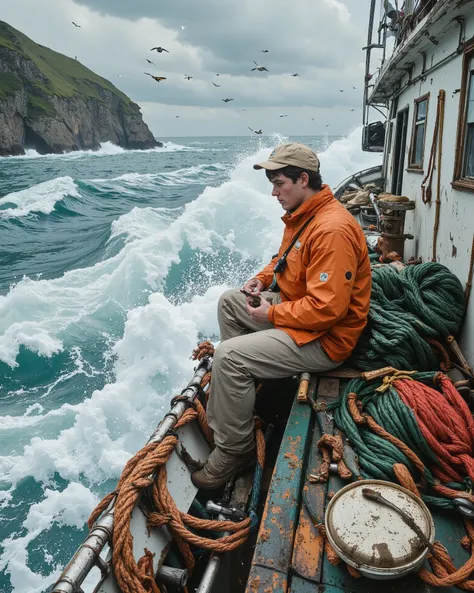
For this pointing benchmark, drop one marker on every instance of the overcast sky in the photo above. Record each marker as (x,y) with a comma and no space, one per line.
(216,41)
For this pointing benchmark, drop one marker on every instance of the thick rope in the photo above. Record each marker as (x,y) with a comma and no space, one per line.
(407,308)
(151,460)
(413,424)
(442,435)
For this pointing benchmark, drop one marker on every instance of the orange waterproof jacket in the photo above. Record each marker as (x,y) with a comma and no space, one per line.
(326,284)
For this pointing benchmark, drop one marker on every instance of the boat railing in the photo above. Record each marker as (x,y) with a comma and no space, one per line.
(397,21)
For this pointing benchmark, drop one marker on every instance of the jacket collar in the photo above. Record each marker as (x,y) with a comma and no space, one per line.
(309,208)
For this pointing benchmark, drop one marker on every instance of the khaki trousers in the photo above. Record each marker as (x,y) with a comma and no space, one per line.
(248,351)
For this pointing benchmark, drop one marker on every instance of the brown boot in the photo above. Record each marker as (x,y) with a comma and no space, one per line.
(220,467)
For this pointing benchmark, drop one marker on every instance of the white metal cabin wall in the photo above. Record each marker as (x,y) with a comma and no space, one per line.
(456,226)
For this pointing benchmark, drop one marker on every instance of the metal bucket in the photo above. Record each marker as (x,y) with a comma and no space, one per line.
(373,537)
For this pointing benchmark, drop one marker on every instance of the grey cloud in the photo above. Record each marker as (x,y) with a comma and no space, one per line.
(299,34)
(305,36)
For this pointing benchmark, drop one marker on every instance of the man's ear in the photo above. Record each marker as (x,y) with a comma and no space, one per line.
(304,179)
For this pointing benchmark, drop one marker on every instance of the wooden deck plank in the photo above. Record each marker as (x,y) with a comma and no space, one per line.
(275,538)
(265,580)
(300,585)
(309,544)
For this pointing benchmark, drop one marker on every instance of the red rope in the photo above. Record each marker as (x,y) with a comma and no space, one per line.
(446,424)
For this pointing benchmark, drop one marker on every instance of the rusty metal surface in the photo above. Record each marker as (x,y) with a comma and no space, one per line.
(265,580)
(275,538)
(342,372)
(328,388)
(309,544)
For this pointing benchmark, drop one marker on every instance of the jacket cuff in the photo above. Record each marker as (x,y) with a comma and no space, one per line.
(271,314)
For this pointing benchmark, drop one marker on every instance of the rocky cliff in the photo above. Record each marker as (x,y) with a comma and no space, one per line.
(53,103)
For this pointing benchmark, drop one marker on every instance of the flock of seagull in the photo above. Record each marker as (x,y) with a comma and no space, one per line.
(257,68)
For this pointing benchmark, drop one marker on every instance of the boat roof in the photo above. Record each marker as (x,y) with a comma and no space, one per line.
(443,16)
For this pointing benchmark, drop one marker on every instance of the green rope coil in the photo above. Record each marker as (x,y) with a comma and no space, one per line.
(377,455)
(407,307)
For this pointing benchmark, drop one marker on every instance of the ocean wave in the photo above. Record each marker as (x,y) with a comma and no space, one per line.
(109,149)
(39,199)
(197,174)
(161,290)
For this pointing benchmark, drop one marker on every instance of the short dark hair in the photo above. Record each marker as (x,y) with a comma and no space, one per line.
(315,180)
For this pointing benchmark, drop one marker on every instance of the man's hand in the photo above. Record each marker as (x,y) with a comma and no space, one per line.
(260,313)
(254,285)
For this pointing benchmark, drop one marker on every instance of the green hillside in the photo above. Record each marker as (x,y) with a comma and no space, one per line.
(66,77)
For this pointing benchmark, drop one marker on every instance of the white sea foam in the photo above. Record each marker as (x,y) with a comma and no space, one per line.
(92,440)
(108,149)
(39,198)
(197,174)
(71,507)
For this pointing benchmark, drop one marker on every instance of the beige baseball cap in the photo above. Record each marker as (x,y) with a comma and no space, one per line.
(293,153)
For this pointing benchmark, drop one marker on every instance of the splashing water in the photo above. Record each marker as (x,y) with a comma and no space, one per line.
(115,268)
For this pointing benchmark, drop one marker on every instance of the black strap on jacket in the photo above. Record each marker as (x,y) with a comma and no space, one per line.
(281,263)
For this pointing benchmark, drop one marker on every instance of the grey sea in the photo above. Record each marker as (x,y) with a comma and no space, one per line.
(111,265)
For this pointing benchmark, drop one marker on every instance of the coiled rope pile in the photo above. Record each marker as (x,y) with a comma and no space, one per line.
(410,310)
(415,429)
(146,471)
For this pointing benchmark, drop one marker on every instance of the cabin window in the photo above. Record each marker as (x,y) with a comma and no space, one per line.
(464,162)
(417,148)
(468,168)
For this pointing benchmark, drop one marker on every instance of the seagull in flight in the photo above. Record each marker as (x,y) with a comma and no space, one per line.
(264,51)
(183,27)
(354,88)
(149,61)
(259,68)
(341,90)
(256,131)
(188,77)
(226,100)
(295,74)
(157,78)
(76,25)
(160,49)
(218,85)
(353,109)
(283,115)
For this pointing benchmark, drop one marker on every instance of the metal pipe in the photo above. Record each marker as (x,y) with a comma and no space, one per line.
(365,106)
(173,576)
(212,568)
(88,552)
(207,581)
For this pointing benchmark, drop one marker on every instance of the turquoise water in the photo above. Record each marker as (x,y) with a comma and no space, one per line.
(110,271)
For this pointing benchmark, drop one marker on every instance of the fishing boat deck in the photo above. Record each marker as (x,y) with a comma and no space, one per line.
(289,554)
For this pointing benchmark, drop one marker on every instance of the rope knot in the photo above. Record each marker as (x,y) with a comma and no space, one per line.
(159,519)
(145,568)
(203,349)
(389,380)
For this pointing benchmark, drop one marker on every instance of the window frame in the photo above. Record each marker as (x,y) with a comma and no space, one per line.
(460,182)
(418,167)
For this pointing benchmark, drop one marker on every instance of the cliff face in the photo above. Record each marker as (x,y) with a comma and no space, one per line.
(53,103)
